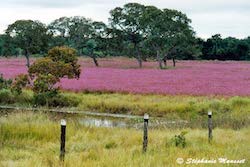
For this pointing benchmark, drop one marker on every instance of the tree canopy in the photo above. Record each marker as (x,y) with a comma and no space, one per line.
(30,36)
(134,30)
(225,49)
(127,21)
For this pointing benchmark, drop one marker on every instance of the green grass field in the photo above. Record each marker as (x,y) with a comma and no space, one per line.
(32,139)
(229,112)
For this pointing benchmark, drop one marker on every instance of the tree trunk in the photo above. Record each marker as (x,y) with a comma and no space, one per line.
(174,61)
(80,52)
(27,55)
(95,61)
(144,59)
(139,61)
(138,55)
(159,59)
(165,62)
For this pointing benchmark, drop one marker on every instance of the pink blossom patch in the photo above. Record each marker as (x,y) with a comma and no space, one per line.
(190,77)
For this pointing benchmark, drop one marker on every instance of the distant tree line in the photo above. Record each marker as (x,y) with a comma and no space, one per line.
(134,30)
(225,49)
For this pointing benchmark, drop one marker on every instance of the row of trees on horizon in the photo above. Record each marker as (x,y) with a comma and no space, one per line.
(134,30)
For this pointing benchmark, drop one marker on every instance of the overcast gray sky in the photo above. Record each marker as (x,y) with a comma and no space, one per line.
(227,17)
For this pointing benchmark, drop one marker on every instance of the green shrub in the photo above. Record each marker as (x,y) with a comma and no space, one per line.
(110,145)
(63,101)
(53,99)
(44,99)
(20,82)
(180,140)
(4,83)
(24,98)
(99,53)
(6,96)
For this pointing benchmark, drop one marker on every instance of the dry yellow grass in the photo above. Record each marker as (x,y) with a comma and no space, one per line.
(32,139)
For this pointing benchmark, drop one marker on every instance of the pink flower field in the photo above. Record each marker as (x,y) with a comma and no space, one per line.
(122,75)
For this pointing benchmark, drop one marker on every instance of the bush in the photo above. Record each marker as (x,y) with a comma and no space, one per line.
(6,96)
(52,99)
(4,83)
(20,82)
(42,99)
(180,140)
(110,145)
(63,101)
(26,97)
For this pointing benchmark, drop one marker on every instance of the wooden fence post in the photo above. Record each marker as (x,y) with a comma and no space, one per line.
(63,139)
(210,126)
(145,133)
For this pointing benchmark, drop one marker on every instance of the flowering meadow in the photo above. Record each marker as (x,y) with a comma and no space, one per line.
(228,78)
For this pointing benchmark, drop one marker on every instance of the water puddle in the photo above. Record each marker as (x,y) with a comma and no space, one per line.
(107,120)
(98,122)
(126,122)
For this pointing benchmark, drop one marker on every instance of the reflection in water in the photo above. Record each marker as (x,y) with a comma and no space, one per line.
(128,123)
(98,122)
(106,120)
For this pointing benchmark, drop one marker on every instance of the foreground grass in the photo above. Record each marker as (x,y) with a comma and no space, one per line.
(32,139)
(229,112)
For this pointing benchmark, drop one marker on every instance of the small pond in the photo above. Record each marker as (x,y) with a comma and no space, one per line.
(93,119)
